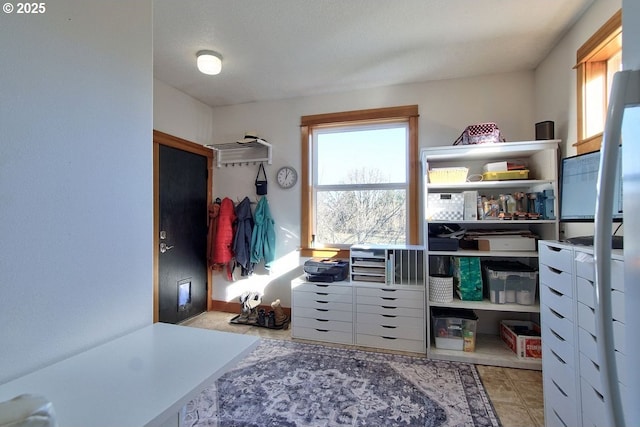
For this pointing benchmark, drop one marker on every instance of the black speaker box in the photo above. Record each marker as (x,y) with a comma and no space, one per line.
(544,130)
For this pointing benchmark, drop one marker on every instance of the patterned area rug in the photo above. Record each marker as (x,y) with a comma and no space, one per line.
(285,383)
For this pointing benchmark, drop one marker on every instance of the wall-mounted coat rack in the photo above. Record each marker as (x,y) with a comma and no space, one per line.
(242,154)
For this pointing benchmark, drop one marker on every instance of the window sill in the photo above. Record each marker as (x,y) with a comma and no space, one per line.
(589,145)
(325,253)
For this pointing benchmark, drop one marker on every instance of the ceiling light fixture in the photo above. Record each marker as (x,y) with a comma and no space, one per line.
(209,62)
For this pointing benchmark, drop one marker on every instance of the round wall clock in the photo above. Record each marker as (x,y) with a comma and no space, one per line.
(287,177)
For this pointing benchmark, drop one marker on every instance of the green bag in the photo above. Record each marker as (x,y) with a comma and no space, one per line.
(467,277)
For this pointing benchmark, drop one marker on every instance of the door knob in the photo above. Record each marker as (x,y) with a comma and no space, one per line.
(164,247)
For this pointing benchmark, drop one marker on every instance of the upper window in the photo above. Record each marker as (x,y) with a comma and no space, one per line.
(361,179)
(597,60)
(360,184)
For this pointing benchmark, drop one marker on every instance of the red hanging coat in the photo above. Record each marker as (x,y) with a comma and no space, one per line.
(214,211)
(223,240)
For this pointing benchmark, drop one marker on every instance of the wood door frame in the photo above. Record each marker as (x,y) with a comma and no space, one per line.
(161,138)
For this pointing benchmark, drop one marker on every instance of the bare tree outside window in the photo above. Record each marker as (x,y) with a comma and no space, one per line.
(362,199)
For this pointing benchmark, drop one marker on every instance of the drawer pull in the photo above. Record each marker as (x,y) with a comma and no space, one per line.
(559,389)
(389,315)
(322,309)
(388,307)
(322,302)
(322,293)
(600,396)
(556,293)
(559,418)
(388,290)
(558,357)
(322,320)
(389,298)
(553,270)
(389,338)
(388,326)
(556,334)
(555,313)
(322,330)
(322,286)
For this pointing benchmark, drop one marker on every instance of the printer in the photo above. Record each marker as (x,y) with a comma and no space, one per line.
(326,270)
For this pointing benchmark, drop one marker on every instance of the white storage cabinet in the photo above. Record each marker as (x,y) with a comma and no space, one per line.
(389,284)
(542,161)
(571,369)
(322,311)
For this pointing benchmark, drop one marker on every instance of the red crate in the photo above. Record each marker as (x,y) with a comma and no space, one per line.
(523,337)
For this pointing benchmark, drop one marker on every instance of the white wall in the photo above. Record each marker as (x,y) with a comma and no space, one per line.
(445,107)
(631,51)
(75,179)
(555,84)
(178,114)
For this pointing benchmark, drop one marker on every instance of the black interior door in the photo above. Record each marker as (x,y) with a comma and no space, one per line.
(182,261)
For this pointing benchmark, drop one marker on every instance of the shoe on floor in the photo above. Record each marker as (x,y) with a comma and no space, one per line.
(279,317)
(244,316)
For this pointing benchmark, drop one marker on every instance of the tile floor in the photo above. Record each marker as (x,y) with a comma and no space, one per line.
(516,394)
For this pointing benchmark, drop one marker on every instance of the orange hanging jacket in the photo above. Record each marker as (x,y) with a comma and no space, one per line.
(222,252)
(214,211)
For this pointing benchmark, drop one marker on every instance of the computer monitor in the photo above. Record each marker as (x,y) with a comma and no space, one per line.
(578,188)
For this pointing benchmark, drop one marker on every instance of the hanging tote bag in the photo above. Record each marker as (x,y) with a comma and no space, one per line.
(481,133)
(261,185)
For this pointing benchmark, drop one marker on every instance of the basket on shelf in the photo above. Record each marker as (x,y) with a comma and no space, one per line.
(448,175)
(440,288)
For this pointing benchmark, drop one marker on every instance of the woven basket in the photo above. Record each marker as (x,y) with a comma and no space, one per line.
(440,289)
(448,175)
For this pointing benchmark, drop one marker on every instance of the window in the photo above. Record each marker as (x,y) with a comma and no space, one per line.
(598,59)
(359,179)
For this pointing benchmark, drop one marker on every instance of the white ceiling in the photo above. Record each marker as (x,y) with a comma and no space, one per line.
(274,49)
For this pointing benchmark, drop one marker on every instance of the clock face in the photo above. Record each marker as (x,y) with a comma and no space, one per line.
(287,177)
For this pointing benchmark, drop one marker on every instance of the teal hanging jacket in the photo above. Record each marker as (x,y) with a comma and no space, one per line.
(263,237)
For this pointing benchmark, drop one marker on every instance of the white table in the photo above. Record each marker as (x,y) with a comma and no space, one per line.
(141,379)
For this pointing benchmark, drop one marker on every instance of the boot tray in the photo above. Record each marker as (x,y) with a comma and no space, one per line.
(285,324)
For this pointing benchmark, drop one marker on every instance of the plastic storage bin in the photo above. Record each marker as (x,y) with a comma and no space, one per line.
(505,175)
(510,282)
(454,328)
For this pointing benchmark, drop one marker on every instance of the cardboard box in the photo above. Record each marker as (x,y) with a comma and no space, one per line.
(522,337)
(506,243)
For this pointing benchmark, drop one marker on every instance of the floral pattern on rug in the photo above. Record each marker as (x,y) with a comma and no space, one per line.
(285,383)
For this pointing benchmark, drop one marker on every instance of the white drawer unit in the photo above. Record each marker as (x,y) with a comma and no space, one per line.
(557,314)
(390,317)
(391,265)
(322,311)
(571,370)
